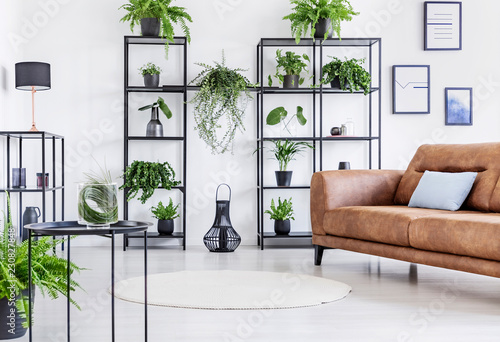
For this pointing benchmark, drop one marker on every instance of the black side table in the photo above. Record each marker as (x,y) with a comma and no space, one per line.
(70,228)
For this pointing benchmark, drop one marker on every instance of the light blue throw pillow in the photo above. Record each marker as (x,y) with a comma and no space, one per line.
(442,190)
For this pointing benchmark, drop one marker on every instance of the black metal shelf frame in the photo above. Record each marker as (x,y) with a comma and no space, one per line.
(317,92)
(180,89)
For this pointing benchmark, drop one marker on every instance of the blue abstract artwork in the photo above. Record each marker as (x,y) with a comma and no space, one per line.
(459,106)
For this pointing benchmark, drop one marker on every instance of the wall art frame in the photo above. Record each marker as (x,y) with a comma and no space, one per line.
(458,106)
(411,89)
(442,25)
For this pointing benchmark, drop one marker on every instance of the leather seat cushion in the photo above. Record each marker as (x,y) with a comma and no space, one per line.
(466,233)
(385,224)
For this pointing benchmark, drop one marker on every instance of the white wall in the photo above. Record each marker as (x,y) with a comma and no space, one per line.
(83,41)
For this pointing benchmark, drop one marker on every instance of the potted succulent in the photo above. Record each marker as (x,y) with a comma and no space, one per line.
(165,216)
(154,127)
(321,17)
(223,95)
(279,114)
(348,74)
(288,69)
(284,152)
(157,18)
(49,275)
(151,74)
(281,214)
(148,176)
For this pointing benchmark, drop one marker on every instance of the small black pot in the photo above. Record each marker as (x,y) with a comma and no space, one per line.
(165,227)
(322,26)
(151,81)
(335,84)
(10,320)
(291,81)
(282,227)
(150,27)
(283,178)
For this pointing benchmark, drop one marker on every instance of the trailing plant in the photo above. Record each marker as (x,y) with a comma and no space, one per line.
(221,101)
(286,150)
(282,212)
(48,271)
(279,114)
(161,9)
(349,72)
(150,69)
(307,13)
(168,212)
(161,104)
(148,176)
(289,64)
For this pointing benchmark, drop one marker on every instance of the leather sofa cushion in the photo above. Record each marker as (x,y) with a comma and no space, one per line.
(466,233)
(385,224)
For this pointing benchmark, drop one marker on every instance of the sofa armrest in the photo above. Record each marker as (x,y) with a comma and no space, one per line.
(334,189)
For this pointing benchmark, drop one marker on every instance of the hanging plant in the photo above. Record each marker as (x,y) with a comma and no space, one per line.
(223,96)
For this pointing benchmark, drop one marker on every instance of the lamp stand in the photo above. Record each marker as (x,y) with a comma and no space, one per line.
(33,127)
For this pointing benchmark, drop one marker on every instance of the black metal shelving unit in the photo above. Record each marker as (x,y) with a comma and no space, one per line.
(373,138)
(48,142)
(179,89)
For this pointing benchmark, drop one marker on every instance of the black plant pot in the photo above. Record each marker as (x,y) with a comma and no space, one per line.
(11,325)
(282,227)
(335,84)
(291,81)
(283,178)
(154,127)
(165,227)
(150,27)
(151,81)
(322,26)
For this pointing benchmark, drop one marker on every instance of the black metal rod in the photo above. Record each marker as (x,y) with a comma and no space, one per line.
(68,290)
(184,171)
(44,203)
(113,285)
(146,285)
(30,309)
(125,133)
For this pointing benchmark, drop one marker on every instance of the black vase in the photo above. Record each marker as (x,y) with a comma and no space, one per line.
(150,27)
(283,178)
(151,81)
(322,26)
(222,237)
(282,227)
(11,324)
(154,128)
(31,215)
(291,81)
(165,227)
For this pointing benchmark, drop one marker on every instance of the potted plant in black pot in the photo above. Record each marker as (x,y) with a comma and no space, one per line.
(157,18)
(321,17)
(281,214)
(154,127)
(151,74)
(289,66)
(279,114)
(284,152)
(165,216)
(346,75)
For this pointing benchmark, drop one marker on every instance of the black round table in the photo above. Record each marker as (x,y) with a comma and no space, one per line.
(69,228)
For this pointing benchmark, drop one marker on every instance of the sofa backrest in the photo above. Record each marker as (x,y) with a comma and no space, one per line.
(482,158)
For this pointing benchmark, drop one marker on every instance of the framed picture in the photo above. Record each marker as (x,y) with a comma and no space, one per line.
(411,89)
(458,106)
(442,25)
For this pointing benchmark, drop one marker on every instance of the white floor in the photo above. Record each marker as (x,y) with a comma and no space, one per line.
(390,301)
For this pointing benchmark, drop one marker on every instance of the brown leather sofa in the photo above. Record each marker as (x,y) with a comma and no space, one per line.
(367,211)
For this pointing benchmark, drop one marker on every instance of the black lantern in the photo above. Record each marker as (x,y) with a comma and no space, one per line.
(222,237)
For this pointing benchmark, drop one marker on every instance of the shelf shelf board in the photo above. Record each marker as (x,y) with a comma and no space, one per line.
(333,42)
(32,189)
(154,40)
(155,235)
(31,135)
(328,90)
(144,138)
(304,90)
(180,187)
(349,138)
(293,187)
(268,235)
(162,89)
(289,138)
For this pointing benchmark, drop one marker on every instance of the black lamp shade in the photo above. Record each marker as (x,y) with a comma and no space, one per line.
(32,74)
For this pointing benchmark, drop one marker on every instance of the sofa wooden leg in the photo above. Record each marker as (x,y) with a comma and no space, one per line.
(318,254)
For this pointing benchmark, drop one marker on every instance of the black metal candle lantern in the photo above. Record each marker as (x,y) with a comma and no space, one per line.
(222,237)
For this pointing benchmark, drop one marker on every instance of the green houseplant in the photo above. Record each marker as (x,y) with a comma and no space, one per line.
(284,152)
(49,275)
(157,17)
(348,74)
(281,214)
(154,127)
(165,216)
(279,114)
(289,66)
(148,176)
(223,96)
(321,17)
(151,74)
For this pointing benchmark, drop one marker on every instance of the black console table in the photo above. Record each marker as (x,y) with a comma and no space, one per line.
(70,228)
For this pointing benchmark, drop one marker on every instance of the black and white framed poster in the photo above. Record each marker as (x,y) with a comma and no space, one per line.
(411,89)
(458,106)
(443,25)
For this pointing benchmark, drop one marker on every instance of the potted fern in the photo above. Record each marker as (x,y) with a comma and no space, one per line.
(151,74)
(156,18)
(321,17)
(281,214)
(154,127)
(289,66)
(348,74)
(165,216)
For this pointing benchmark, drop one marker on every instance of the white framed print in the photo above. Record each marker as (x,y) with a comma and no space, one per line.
(411,89)
(442,25)
(458,103)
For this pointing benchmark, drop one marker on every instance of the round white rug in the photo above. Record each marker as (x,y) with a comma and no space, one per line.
(232,290)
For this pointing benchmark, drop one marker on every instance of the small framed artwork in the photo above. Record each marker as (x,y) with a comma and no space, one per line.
(411,89)
(458,102)
(443,25)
